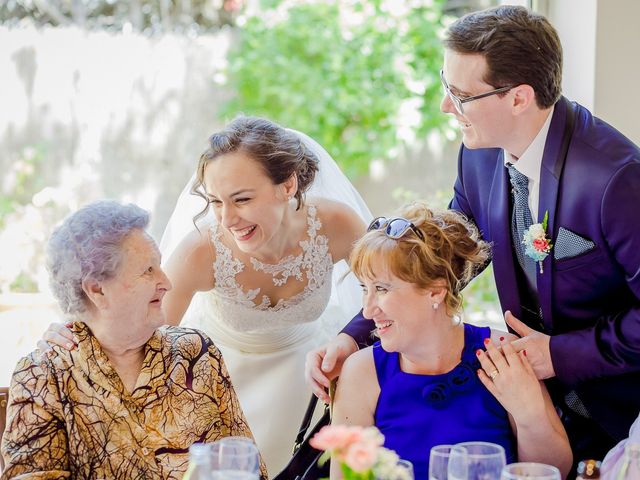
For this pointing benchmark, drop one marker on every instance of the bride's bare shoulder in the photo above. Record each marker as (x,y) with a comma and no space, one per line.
(332,212)
(340,223)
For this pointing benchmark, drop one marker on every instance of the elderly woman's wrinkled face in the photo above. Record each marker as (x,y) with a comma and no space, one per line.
(134,296)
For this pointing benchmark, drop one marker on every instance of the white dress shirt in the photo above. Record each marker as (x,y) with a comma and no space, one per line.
(530,163)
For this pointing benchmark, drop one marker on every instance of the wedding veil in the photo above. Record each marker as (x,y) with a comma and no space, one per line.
(329,182)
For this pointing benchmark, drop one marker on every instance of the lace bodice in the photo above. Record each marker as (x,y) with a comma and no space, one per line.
(249,311)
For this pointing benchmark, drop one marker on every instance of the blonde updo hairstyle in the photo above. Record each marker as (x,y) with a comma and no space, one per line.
(451,253)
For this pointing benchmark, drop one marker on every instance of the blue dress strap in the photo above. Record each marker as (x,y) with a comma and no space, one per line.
(387,363)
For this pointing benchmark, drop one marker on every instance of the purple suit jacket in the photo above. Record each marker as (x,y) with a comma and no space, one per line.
(591,302)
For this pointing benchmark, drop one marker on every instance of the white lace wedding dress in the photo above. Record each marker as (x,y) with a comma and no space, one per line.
(264,346)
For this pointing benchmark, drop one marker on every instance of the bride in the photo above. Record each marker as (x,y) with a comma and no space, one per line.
(273,214)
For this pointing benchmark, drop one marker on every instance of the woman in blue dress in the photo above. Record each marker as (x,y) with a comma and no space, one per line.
(432,379)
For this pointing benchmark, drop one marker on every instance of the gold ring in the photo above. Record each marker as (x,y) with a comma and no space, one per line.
(494,374)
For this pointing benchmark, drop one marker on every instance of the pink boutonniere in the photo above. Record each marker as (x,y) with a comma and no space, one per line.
(537,244)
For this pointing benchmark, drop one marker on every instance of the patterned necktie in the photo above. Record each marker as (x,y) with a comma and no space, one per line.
(521,221)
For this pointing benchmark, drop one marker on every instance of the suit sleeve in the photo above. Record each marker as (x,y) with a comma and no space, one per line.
(612,345)
(459,201)
(359,328)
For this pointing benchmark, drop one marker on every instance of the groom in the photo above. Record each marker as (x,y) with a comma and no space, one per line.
(530,156)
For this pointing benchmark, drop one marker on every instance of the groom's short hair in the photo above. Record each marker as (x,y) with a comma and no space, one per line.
(520,47)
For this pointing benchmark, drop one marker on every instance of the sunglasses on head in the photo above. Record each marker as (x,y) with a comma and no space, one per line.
(395,227)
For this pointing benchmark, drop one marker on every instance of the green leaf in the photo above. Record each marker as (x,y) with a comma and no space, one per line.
(343,82)
(545,220)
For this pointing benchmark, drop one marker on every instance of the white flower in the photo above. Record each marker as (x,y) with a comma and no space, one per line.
(386,463)
(537,230)
(373,435)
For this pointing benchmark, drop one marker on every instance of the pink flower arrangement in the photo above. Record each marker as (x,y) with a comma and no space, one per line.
(359,451)
(537,244)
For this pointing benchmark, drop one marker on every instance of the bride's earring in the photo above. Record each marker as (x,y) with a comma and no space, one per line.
(435,305)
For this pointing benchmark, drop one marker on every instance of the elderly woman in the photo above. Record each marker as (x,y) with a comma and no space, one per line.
(132,398)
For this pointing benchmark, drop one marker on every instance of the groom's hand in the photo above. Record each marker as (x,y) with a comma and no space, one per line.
(325,363)
(536,345)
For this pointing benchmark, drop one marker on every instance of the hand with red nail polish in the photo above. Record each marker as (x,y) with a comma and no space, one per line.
(510,378)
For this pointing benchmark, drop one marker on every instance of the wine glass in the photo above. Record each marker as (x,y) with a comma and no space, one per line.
(235,458)
(439,461)
(530,471)
(481,461)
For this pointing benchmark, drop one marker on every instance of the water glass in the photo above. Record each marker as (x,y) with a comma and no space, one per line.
(629,466)
(481,461)
(530,471)
(439,461)
(402,470)
(235,458)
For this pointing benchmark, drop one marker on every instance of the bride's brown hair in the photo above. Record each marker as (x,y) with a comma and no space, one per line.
(451,252)
(280,152)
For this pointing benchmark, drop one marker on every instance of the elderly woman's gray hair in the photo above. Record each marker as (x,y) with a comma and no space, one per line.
(88,246)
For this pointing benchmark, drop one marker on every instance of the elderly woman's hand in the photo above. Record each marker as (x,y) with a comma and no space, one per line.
(509,377)
(57,334)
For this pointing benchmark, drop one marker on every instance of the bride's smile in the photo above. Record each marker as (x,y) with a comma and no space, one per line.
(255,212)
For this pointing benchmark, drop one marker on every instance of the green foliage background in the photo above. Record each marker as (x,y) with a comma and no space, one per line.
(340,71)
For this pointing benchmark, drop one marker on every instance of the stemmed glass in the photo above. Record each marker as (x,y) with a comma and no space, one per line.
(439,462)
(235,458)
(530,471)
(480,461)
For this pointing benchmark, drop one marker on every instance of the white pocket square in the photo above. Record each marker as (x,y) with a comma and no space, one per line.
(569,244)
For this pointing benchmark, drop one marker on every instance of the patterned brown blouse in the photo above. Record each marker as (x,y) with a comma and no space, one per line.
(70,416)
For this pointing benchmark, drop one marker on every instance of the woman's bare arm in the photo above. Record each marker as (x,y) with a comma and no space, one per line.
(356,395)
(190,269)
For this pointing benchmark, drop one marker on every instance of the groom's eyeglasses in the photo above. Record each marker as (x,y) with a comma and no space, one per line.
(395,227)
(458,101)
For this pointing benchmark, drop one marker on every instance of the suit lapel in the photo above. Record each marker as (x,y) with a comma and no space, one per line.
(550,173)
(500,234)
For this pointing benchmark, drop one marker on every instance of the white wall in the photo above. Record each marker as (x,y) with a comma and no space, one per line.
(601,61)
(575,21)
(617,98)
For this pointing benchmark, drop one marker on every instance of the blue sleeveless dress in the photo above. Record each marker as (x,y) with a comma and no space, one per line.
(416,412)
